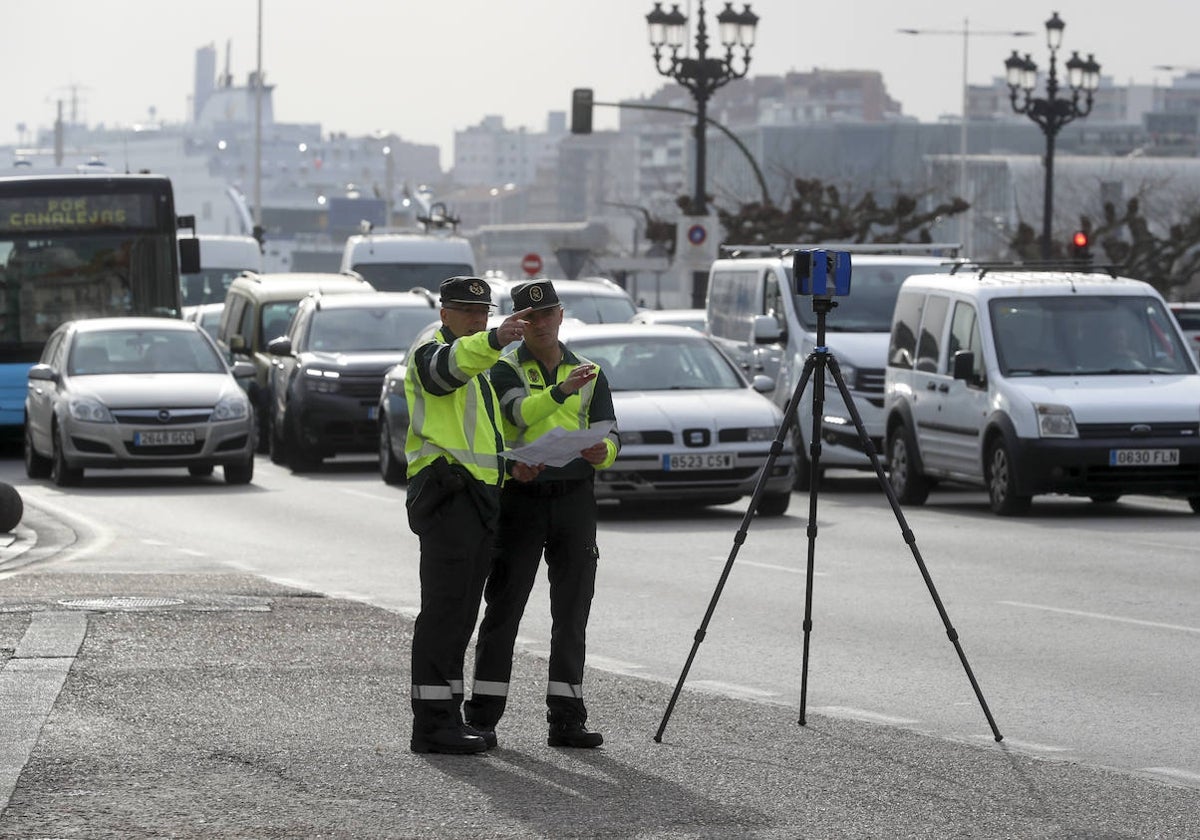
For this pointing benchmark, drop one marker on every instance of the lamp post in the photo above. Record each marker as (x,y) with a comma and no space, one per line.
(966,32)
(701,76)
(1051,112)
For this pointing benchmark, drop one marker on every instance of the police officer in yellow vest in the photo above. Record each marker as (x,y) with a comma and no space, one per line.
(541,386)
(454,472)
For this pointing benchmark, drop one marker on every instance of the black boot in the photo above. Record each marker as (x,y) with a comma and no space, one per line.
(573,734)
(456,740)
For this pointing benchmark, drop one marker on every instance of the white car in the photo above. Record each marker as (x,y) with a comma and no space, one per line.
(136,392)
(693,318)
(692,428)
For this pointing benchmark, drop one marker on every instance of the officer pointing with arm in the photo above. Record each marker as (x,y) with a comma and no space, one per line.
(455,472)
(541,386)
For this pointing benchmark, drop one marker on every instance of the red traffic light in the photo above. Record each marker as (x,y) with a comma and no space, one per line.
(1080,239)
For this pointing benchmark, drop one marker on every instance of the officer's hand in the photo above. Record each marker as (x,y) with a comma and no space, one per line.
(579,377)
(513,327)
(526,472)
(596,453)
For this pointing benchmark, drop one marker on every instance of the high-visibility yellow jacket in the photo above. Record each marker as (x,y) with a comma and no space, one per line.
(532,404)
(453,410)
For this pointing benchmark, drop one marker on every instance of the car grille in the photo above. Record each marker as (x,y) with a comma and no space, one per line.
(151,416)
(736,475)
(361,387)
(867,381)
(166,451)
(1096,431)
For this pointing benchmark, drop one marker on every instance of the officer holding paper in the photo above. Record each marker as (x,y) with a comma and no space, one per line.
(543,386)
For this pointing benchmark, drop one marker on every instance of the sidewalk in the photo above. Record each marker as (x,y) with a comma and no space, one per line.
(226,706)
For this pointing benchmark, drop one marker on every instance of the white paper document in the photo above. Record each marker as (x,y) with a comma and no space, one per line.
(558,447)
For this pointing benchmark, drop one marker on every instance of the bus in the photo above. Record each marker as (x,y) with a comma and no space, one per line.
(81,246)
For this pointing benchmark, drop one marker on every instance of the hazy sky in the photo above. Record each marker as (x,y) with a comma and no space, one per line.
(426,68)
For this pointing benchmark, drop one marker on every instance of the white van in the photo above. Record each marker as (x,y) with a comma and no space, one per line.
(222,258)
(1029,382)
(401,262)
(754,314)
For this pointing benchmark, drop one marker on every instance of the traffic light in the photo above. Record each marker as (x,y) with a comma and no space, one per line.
(581,111)
(1081,246)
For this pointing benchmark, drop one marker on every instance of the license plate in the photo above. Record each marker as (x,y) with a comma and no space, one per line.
(175,437)
(706,461)
(1143,457)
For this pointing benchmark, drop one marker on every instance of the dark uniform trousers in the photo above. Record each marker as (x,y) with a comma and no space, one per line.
(456,550)
(559,517)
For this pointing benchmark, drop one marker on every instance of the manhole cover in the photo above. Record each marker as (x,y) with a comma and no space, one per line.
(120,603)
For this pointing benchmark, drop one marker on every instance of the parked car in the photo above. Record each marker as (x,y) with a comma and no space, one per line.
(136,392)
(692,428)
(329,368)
(595,300)
(693,318)
(1027,383)
(1188,316)
(258,308)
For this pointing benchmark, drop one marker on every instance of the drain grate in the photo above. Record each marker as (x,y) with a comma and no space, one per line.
(120,603)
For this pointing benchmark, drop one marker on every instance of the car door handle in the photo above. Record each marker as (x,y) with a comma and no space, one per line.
(930,386)
(944,388)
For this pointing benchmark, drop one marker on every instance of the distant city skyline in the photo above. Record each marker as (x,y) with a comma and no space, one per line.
(424,71)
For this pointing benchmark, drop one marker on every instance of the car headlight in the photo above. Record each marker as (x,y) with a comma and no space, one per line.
(89,410)
(630,438)
(232,407)
(848,374)
(321,381)
(759,433)
(1055,421)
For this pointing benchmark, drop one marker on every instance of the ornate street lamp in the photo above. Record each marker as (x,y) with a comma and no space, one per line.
(1052,112)
(701,75)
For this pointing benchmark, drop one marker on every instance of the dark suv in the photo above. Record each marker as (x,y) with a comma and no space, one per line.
(328,369)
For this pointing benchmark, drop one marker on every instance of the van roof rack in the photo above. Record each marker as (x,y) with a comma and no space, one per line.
(983,267)
(783,249)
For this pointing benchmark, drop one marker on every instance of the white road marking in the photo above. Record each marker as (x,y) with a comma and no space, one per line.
(773,568)
(192,552)
(1030,746)
(154,542)
(863,714)
(733,689)
(1103,617)
(1173,773)
(376,497)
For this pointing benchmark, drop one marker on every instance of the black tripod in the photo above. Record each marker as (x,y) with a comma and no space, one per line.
(814,368)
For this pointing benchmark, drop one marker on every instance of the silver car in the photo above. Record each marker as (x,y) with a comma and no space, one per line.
(693,429)
(136,392)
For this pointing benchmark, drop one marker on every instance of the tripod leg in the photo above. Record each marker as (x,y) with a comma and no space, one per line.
(789,416)
(818,360)
(909,538)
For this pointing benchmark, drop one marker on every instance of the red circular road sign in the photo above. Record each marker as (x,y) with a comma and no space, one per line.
(531,264)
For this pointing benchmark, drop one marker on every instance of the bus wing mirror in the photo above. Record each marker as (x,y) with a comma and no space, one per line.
(189,255)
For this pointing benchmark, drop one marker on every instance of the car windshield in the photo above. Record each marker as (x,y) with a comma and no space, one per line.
(404,277)
(142,351)
(1055,336)
(872,298)
(593,308)
(390,328)
(661,364)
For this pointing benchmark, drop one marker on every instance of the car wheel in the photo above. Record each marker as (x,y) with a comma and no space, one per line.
(1001,478)
(62,473)
(300,458)
(774,504)
(804,468)
(1105,498)
(904,469)
(36,466)
(390,468)
(200,470)
(239,473)
(1194,502)
(276,446)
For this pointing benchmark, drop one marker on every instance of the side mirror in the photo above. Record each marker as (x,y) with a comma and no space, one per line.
(762,383)
(243,369)
(189,256)
(964,365)
(281,346)
(765,330)
(237,344)
(43,373)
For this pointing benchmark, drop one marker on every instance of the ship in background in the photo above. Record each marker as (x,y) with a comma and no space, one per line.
(316,188)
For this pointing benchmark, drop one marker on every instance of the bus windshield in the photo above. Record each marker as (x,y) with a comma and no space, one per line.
(73,247)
